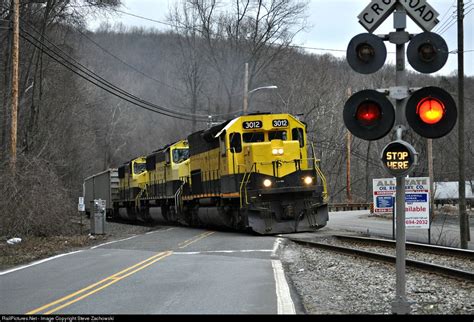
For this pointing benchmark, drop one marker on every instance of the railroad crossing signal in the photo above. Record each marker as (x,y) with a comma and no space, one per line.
(431,111)
(369,115)
(427,52)
(378,10)
(399,158)
(366,53)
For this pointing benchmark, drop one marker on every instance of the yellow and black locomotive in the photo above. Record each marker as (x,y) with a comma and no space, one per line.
(249,173)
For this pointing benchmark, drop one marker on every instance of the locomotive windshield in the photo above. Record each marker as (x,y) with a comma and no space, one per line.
(253,137)
(139,167)
(277,135)
(180,155)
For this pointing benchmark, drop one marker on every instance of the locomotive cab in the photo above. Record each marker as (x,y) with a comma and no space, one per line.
(254,172)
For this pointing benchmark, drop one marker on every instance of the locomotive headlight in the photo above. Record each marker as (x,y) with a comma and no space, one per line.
(308,180)
(267,183)
(277,151)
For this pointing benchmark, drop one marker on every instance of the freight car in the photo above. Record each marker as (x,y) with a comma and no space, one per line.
(252,172)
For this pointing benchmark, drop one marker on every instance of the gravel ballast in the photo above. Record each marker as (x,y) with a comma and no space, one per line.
(333,283)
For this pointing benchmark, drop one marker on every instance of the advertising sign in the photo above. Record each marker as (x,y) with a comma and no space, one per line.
(417,200)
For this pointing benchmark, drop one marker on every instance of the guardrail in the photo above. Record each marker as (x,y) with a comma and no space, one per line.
(351,206)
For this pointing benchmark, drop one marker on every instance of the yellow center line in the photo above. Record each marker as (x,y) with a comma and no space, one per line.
(197,238)
(114,278)
(194,237)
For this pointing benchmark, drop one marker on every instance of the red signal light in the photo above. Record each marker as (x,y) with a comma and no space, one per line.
(368,113)
(430,110)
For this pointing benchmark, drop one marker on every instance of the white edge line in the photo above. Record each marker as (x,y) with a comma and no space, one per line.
(284,301)
(61,255)
(113,241)
(224,251)
(159,231)
(276,245)
(38,262)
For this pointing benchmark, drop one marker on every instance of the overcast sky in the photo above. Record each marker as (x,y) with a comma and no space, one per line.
(332,24)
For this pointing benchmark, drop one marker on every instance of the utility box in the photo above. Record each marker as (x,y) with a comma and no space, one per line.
(103,185)
(98,217)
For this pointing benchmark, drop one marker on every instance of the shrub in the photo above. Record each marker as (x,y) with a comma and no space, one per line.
(33,201)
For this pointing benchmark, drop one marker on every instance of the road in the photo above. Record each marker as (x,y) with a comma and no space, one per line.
(174,270)
(177,270)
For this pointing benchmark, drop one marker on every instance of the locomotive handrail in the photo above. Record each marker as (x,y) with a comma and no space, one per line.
(139,195)
(320,174)
(243,184)
(178,201)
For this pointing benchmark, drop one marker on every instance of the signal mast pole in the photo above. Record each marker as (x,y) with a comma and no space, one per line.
(400,305)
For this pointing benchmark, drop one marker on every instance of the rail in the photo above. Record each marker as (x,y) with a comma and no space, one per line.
(434,249)
(447,271)
(346,206)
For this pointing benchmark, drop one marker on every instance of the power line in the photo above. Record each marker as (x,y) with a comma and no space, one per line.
(104,84)
(144,18)
(127,64)
(171,25)
(91,73)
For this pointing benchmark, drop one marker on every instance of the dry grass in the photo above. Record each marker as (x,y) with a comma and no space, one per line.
(33,201)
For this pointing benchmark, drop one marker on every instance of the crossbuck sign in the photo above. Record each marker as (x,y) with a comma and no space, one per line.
(378,10)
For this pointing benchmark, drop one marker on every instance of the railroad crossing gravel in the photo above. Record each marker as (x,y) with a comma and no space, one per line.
(333,283)
(445,260)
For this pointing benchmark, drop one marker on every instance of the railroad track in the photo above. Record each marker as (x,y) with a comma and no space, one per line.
(337,245)
(350,206)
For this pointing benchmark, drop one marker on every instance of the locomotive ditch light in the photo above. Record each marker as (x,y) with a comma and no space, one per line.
(267,183)
(366,53)
(399,158)
(427,52)
(369,115)
(308,180)
(431,112)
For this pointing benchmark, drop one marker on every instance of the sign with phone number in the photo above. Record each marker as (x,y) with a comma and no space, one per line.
(417,197)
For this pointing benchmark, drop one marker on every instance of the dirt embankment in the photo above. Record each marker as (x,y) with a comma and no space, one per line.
(35,248)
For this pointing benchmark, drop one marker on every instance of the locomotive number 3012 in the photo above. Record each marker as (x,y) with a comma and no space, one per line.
(252,125)
(280,123)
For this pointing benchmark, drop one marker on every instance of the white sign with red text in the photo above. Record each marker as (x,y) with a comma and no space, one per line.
(417,200)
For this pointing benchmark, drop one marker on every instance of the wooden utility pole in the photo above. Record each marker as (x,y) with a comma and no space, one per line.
(463,217)
(15,64)
(246,89)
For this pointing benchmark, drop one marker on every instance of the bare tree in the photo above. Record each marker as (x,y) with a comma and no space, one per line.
(253,31)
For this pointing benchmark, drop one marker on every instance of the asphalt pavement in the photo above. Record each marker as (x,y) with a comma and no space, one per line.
(175,270)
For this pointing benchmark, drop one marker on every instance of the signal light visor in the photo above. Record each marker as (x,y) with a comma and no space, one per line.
(365,52)
(430,110)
